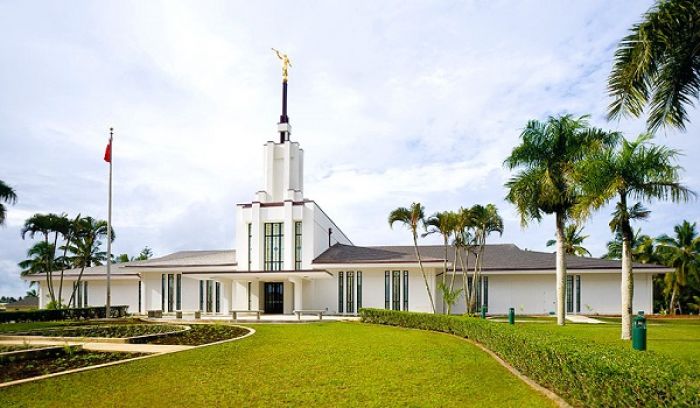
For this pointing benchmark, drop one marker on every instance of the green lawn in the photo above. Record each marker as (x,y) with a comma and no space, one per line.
(327,364)
(677,338)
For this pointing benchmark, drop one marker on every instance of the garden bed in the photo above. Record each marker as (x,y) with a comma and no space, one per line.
(66,360)
(6,348)
(202,334)
(101,330)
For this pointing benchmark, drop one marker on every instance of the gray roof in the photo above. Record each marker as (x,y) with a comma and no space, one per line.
(25,302)
(498,257)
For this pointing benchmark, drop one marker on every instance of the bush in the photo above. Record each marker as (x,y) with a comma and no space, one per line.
(45,315)
(582,372)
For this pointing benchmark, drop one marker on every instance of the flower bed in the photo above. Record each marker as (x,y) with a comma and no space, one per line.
(103,330)
(202,334)
(6,348)
(581,371)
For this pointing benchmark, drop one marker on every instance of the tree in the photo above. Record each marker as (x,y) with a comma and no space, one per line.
(633,170)
(463,245)
(411,218)
(615,246)
(485,220)
(682,253)
(545,183)
(443,223)
(657,65)
(44,224)
(573,241)
(145,254)
(86,247)
(7,195)
(32,293)
(36,259)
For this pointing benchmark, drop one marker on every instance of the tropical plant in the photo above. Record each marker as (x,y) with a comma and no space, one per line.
(442,223)
(657,65)
(86,247)
(145,254)
(486,221)
(615,246)
(32,293)
(36,260)
(573,241)
(682,253)
(411,218)
(545,184)
(633,170)
(463,243)
(7,195)
(45,224)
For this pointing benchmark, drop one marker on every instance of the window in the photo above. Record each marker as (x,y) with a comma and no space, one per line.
(578,293)
(569,293)
(405,290)
(162,292)
(140,286)
(297,245)
(171,291)
(201,296)
(250,286)
(210,296)
(178,292)
(396,290)
(340,292)
(386,290)
(218,297)
(85,293)
(359,290)
(274,249)
(250,246)
(485,281)
(349,298)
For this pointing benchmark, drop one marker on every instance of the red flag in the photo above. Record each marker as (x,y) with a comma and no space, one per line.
(108,152)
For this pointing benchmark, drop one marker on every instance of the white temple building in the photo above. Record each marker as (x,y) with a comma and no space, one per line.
(290,256)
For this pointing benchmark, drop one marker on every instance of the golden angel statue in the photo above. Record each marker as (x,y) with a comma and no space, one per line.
(285,63)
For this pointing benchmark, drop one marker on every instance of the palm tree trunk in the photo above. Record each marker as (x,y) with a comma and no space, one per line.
(422,271)
(49,258)
(561,270)
(627,281)
(465,280)
(671,308)
(444,272)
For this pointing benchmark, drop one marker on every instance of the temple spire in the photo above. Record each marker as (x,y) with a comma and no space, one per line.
(283,127)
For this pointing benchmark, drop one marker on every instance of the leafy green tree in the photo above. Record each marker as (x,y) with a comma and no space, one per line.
(633,170)
(486,221)
(464,244)
(411,218)
(615,246)
(32,293)
(85,249)
(657,65)
(36,259)
(442,223)
(573,241)
(681,252)
(546,184)
(46,225)
(7,195)
(145,254)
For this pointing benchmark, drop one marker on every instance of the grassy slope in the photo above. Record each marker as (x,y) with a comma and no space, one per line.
(326,364)
(678,338)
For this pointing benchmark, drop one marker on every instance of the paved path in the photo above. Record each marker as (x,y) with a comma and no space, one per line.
(119,347)
(281,318)
(583,319)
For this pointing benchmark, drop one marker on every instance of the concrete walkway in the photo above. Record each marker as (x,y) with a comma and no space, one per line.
(110,347)
(278,318)
(583,319)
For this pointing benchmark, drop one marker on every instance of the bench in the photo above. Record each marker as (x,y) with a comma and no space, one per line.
(236,312)
(197,314)
(155,314)
(318,313)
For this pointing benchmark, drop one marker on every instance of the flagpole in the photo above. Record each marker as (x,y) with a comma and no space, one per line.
(109,232)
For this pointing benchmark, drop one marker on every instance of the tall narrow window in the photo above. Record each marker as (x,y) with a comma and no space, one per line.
(359,290)
(76,298)
(274,249)
(396,290)
(349,298)
(140,300)
(387,289)
(201,296)
(163,289)
(218,297)
(250,286)
(569,293)
(250,246)
(405,290)
(85,294)
(340,292)
(297,245)
(171,291)
(178,292)
(578,293)
(210,296)
(486,292)
(478,293)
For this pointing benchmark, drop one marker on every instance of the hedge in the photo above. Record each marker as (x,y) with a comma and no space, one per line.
(44,315)
(581,371)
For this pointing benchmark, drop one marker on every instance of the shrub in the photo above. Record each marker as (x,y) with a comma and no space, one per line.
(45,315)
(581,371)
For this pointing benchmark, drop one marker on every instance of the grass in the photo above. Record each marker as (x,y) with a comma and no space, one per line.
(324,364)
(676,338)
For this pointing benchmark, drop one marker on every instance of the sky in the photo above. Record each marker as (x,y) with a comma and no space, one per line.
(392,102)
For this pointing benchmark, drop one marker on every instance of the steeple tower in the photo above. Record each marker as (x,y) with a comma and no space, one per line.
(283,127)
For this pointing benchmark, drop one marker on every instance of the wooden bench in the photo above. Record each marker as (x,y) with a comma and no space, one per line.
(318,313)
(236,312)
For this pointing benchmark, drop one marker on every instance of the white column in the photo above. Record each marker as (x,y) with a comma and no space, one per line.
(298,293)
(288,228)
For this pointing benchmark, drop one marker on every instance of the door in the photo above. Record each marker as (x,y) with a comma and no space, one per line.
(274,297)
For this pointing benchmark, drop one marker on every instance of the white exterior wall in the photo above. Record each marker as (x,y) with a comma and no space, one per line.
(124,292)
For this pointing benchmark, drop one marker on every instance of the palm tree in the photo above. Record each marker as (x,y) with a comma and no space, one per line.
(86,247)
(658,65)
(681,252)
(573,241)
(634,170)
(443,223)
(486,220)
(36,259)
(545,185)
(7,195)
(463,245)
(615,246)
(411,218)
